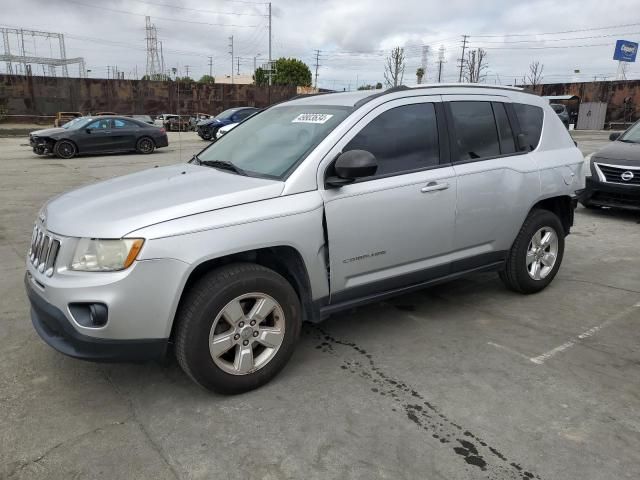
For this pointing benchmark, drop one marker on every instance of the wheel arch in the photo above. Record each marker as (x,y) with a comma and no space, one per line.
(562,206)
(64,139)
(283,259)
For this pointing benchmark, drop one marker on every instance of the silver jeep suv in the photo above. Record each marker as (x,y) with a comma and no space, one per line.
(310,207)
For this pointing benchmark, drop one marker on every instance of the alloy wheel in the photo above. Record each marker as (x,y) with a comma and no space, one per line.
(542,253)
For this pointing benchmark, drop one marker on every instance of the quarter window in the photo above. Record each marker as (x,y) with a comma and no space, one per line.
(402,139)
(530,120)
(475,130)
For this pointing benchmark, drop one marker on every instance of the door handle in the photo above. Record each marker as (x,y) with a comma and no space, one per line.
(434,187)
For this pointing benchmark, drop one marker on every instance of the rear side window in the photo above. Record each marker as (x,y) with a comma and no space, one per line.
(507,144)
(530,120)
(118,123)
(402,139)
(475,131)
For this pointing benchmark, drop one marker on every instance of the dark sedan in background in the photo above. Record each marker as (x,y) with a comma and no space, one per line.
(614,179)
(207,129)
(106,134)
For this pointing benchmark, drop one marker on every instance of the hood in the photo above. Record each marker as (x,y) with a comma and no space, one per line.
(47,132)
(113,208)
(210,121)
(622,153)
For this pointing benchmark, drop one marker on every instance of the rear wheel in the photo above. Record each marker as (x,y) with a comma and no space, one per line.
(65,149)
(237,328)
(536,255)
(145,145)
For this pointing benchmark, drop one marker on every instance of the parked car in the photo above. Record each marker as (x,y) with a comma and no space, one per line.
(102,114)
(64,117)
(222,130)
(562,113)
(198,117)
(98,135)
(207,128)
(143,118)
(613,176)
(315,206)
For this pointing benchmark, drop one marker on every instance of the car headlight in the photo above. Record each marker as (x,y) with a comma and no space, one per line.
(99,255)
(587,165)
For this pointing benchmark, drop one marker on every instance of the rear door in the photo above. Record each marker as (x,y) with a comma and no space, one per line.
(495,181)
(395,228)
(124,134)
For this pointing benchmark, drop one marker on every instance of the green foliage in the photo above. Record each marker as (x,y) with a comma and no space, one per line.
(184,79)
(288,71)
(378,86)
(207,79)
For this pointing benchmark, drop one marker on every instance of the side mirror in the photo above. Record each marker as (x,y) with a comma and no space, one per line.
(615,136)
(523,144)
(352,165)
(88,130)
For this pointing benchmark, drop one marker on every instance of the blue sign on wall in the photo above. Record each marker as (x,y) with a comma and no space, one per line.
(625,51)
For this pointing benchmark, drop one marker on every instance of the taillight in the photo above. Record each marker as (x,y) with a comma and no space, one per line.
(162,130)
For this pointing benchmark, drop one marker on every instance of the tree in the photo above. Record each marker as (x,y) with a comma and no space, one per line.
(394,67)
(420,75)
(184,79)
(367,87)
(378,86)
(475,65)
(287,71)
(534,77)
(207,79)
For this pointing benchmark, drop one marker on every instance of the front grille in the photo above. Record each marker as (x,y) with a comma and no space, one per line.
(44,251)
(613,174)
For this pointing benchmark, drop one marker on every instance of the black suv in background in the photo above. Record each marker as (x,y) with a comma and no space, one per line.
(614,177)
(207,128)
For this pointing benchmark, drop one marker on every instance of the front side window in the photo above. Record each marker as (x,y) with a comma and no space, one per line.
(102,124)
(402,139)
(475,131)
(530,120)
(275,141)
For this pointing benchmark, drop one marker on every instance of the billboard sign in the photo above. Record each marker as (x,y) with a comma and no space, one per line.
(625,51)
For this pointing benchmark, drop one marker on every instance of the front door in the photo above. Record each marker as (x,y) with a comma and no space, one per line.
(95,137)
(395,228)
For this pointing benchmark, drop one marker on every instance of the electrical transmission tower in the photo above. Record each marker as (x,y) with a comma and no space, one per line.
(154,64)
(21,64)
(317,65)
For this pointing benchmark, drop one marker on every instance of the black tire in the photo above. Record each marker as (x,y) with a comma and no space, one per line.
(202,304)
(145,145)
(206,134)
(515,274)
(65,149)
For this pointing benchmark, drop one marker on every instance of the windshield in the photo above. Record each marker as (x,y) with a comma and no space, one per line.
(226,113)
(632,135)
(275,141)
(77,123)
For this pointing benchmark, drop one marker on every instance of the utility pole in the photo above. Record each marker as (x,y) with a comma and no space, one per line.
(186,68)
(464,47)
(317,65)
(238,59)
(211,66)
(270,60)
(440,62)
(108,72)
(231,53)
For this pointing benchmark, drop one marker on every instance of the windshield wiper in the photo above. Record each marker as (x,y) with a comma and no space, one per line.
(223,165)
(195,159)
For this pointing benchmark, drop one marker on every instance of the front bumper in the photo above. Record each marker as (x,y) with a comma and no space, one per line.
(54,328)
(614,195)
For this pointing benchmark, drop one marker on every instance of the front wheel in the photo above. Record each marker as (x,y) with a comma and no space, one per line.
(237,328)
(536,254)
(65,149)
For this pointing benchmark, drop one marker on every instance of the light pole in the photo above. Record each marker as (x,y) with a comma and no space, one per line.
(255,67)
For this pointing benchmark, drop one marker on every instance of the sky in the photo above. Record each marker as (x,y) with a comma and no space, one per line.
(353,36)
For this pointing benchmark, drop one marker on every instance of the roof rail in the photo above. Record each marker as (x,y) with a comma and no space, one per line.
(400,88)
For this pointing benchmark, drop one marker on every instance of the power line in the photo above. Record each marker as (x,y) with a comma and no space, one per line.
(200,9)
(556,33)
(124,12)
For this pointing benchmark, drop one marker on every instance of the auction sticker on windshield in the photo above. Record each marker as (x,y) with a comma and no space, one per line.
(312,118)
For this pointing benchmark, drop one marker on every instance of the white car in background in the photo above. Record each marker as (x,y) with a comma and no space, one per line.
(221,131)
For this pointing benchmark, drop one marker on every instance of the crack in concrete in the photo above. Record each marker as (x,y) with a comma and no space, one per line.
(134,416)
(597,284)
(65,443)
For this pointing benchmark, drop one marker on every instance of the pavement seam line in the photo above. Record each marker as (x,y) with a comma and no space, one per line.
(157,448)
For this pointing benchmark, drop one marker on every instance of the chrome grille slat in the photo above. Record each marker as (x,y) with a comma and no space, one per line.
(44,250)
(613,174)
